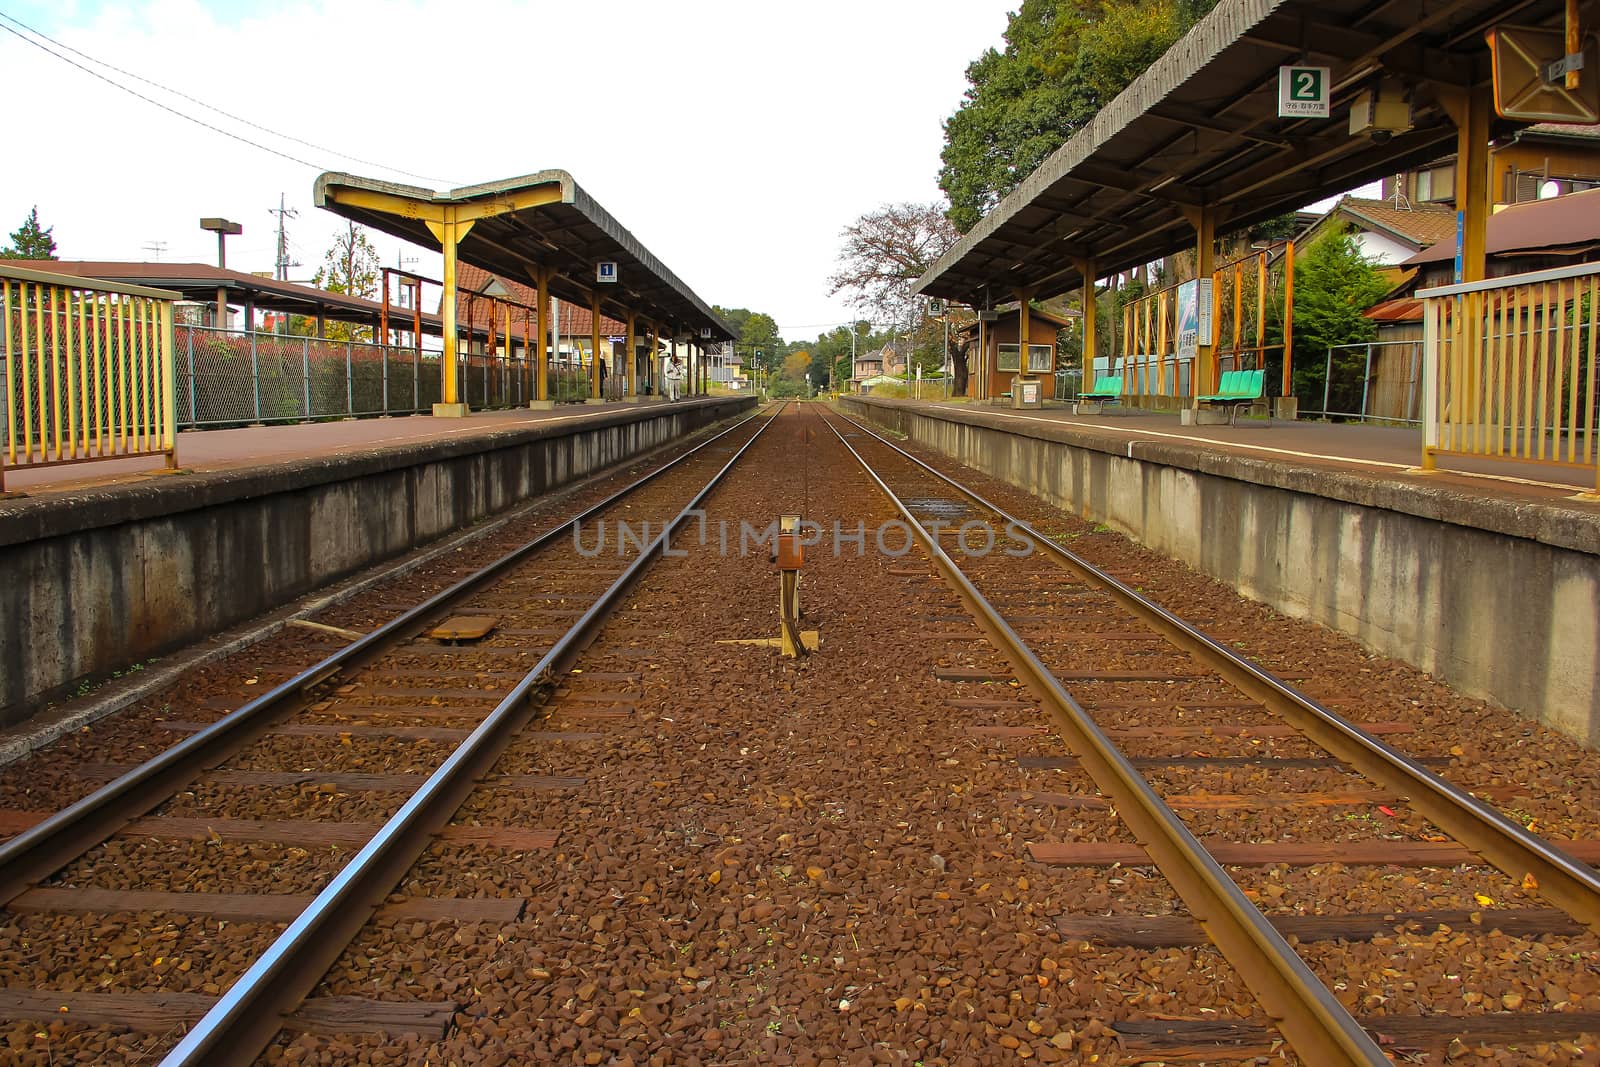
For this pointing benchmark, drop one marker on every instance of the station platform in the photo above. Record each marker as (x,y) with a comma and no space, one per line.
(109,564)
(1486,575)
(1381,452)
(252,446)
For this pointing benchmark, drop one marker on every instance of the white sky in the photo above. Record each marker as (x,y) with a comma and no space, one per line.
(734,138)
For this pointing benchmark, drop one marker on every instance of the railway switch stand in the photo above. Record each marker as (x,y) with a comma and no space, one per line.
(789,556)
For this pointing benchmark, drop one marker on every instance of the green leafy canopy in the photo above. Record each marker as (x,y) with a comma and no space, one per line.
(1062,62)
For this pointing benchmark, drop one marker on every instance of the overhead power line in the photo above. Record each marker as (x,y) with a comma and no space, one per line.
(195,100)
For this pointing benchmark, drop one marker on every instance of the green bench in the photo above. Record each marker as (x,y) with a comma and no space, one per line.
(1238,389)
(1107,390)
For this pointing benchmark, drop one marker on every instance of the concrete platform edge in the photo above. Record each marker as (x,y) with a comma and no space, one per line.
(1487,607)
(50,514)
(1575,527)
(59,720)
(125,574)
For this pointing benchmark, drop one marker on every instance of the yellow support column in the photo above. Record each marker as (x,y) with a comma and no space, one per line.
(449,232)
(1091,322)
(1470,109)
(632,393)
(1204,220)
(595,394)
(652,378)
(541,374)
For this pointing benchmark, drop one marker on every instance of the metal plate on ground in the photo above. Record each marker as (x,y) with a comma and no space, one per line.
(464,627)
(938,507)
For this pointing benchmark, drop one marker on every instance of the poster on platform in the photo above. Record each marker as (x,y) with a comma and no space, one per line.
(1194,316)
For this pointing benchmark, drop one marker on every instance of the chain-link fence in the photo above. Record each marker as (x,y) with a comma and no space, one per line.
(1378,380)
(230,377)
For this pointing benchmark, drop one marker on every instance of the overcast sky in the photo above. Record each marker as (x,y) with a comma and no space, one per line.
(735,139)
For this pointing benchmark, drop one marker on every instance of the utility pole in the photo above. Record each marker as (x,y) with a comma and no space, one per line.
(283,264)
(400,261)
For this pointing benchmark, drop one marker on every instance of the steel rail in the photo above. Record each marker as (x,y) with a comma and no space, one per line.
(1315,1024)
(1567,882)
(244,1021)
(46,847)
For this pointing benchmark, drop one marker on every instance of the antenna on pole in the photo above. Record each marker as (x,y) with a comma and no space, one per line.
(1399,200)
(401,260)
(283,263)
(156,248)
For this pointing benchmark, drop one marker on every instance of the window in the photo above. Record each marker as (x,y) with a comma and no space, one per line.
(1041,359)
(1436,183)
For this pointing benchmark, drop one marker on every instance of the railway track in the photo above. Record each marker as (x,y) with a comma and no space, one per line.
(1135,662)
(702,851)
(402,721)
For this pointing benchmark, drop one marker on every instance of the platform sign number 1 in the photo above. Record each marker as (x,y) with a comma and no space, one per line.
(1303,92)
(605,271)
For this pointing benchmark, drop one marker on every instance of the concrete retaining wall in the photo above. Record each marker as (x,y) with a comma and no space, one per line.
(95,581)
(1499,599)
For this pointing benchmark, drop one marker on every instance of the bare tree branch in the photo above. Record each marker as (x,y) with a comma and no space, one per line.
(885,252)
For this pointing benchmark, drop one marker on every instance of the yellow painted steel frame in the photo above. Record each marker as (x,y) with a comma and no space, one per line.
(1505,365)
(1470,110)
(541,390)
(1204,378)
(1086,267)
(1230,278)
(1148,346)
(449,224)
(89,370)
(633,356)
(594,347)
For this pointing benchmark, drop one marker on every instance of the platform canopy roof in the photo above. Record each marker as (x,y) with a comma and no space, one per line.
(1200,127)
(527,224)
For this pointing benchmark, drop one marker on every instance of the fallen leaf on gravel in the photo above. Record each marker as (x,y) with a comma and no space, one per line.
(1530,883)
(1483,901)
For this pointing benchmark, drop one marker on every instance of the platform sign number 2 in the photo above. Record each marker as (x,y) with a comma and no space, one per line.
(1303,92)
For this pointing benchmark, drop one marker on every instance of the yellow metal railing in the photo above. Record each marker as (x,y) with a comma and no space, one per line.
(1510,369)
(1242,297)
(88,368)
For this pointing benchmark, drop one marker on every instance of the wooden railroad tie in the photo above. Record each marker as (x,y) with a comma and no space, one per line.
(295,832)
(1293,853)
(1198,1040)
(1177,931)
(343,781)
(161,1012)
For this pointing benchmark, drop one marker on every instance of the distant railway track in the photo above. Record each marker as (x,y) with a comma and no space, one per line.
(1102,617)
(445,706)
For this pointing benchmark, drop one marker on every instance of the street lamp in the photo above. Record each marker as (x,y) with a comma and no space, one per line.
(223,229)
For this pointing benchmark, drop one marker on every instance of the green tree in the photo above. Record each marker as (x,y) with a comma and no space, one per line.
(29,241)
(734,317)
(759,334)
(1062,62)
(350,266)
(1333,285)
